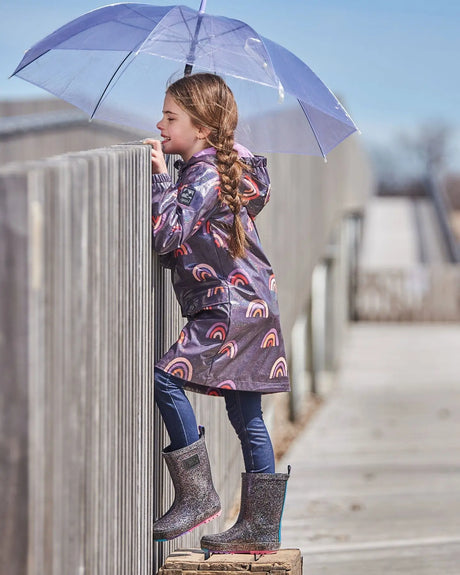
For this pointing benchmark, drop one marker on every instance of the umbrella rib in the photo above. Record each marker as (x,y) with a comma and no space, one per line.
(206,38)
(225,33)
(210,37)
(189,30)
(186,23)
(31,62)
(166,41)
(109,82)
(56,46)
(132,9)
(312,129)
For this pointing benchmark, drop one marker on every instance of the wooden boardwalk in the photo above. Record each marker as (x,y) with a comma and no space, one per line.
(375,484)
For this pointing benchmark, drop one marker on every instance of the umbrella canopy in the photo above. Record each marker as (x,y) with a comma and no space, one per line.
(115,62)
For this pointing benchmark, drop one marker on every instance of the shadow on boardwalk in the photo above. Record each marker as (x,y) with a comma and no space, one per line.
(375,485)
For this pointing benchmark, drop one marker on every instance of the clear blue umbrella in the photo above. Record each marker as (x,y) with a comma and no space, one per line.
(114,63)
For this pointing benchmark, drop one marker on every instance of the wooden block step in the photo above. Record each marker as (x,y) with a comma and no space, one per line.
(192,561)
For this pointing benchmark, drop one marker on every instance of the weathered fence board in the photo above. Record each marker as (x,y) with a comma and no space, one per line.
(14,437)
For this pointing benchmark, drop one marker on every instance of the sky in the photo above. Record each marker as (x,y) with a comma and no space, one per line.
(392,63)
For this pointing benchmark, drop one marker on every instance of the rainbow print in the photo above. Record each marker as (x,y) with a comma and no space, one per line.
(219,237)
(182,337)
(215,291)
(227,384)
(257,308)
(251,189)
(271,339)
(272,283)
(230,349)
(279,368)
(157,222)
(217,331)
(182,250)
(203,271)
(180,367)
(197,226)
(238,278)
(219,240)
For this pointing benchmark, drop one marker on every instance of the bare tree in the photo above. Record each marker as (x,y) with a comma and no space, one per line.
(430,145)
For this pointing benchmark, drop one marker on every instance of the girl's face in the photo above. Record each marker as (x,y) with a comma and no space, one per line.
(179,134)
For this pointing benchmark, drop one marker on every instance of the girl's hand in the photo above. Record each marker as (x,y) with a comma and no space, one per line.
(158,159)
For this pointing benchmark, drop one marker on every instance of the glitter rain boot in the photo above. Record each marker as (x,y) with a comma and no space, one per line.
(258,527)
(196,501)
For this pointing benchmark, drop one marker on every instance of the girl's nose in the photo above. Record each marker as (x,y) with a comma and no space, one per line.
(159,125)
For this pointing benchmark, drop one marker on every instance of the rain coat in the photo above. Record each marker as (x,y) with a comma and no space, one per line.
(233,338)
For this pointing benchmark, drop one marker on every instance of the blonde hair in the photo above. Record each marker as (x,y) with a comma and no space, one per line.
(210,104)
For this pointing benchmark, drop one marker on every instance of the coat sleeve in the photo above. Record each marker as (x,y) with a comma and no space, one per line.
(256,184)
(179,209)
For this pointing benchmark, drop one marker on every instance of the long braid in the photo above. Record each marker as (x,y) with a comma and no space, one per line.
(230,170)
(210,103)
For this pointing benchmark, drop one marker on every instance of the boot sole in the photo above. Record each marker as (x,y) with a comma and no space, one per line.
(240,547)
(240,552)
(208,520)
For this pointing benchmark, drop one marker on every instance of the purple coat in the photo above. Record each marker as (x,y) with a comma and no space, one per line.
(233,338)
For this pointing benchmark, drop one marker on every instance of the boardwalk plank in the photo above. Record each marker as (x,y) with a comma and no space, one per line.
(375,487)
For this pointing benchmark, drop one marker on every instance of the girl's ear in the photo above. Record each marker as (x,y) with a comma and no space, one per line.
(203,132)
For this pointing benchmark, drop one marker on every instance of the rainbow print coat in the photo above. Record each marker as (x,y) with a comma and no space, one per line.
(233,338)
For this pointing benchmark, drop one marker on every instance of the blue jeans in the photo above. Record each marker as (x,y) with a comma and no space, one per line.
(244,409)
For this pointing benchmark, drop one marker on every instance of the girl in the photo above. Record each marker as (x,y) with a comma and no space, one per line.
(232,344)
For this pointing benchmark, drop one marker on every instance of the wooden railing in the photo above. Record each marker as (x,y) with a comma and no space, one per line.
(419,293)
(81,471)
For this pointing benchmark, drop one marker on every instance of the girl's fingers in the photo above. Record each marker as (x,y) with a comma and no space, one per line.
(158,160)
(156,144)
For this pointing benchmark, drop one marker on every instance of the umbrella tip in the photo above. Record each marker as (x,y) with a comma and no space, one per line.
(203,6)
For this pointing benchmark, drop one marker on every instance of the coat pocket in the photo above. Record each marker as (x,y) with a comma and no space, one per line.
(205,299)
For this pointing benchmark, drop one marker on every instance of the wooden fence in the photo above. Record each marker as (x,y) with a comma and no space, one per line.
(77,365)
(419,293)
(81,476)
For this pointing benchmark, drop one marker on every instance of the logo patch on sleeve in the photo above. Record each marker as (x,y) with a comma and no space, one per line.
(186,196)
